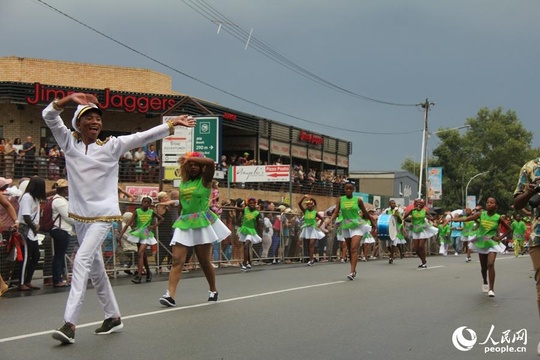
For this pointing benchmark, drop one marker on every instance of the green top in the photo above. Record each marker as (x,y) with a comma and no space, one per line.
(310,219)
(518,229)
(487,228)
(194,197)
(468,228)
(144,220)
(249,222)
(418,220)
(349,212)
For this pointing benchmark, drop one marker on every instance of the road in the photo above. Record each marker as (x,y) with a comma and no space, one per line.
(297,312)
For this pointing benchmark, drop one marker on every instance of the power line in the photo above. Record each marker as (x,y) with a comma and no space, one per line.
(214,16)
(130,48)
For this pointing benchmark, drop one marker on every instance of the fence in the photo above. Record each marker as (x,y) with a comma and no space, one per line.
(283,246)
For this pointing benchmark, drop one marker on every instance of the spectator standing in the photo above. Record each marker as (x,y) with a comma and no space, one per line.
(138,159)
(29,149)
(29,210)
(455,234)
(152,161)
(61,232)
(268,232)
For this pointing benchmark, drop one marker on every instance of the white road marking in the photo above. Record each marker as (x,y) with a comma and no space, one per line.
(157,312)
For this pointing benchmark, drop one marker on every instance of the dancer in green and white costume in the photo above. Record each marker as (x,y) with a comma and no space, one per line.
(468,234)
(422,230)
(310,231)
(353,229)
(249,232)
(488,241)
(142,235)
(398,239)
(197,226)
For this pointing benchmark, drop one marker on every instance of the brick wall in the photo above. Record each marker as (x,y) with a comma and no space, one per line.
(93,76)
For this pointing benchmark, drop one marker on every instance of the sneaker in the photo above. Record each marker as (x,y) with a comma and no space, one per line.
(66,334)
(390,261)
(149,277)
(109,325)
(373,258)
(491,293)
(136,279)
(214,266)
(243,267)
(343,261)
(351,276)
(310,263)
(248,266)
(212,295)
(468,259)
(485,288)
(167,300)
(363,258)
(422,266)
(456,254)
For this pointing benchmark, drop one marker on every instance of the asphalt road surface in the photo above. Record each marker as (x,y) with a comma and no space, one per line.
(294,311)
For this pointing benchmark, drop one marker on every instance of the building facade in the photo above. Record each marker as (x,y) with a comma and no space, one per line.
(136,99)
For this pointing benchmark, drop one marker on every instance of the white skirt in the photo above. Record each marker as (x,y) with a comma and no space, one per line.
(255,239)
(311,232)
(499,248)
(206,235)
(428,232)
(136,240)
(358,231)
(468,238)
(367,240)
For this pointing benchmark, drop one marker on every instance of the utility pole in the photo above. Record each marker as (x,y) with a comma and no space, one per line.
(423,156)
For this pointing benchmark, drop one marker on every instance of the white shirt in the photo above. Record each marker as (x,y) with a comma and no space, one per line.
(29,206)
(93,169)
(268,229)
(60,206)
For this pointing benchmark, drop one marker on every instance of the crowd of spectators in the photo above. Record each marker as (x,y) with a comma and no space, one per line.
(324,182)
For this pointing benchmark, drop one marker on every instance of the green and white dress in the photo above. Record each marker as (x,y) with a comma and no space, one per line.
(352,224)
(488,226)
(197,224)
(141,234)
(248,230)
(309,227)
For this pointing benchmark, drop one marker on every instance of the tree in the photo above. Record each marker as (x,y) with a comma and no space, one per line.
(495,142)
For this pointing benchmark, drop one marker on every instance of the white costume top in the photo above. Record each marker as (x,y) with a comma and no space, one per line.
(93,169)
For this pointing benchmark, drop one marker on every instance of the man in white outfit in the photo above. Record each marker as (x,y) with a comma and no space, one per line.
(92,167)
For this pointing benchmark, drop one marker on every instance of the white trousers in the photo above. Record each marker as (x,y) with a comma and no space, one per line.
(89,264)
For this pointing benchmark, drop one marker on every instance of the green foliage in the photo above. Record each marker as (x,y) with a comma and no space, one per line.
(495,142)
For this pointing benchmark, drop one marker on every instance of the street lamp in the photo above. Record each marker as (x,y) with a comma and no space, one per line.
(467,187)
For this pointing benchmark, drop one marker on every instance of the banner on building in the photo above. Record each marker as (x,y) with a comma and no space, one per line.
(434,183)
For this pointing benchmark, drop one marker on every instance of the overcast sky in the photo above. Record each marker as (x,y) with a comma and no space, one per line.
(460,54)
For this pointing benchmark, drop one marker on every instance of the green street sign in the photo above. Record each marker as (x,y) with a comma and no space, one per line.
(206,137)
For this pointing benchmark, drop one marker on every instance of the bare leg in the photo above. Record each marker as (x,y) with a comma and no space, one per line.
(204,254)
(178,259)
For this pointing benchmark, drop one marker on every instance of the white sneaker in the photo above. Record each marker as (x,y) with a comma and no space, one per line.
(491,293)
(456,254)
(485,288)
